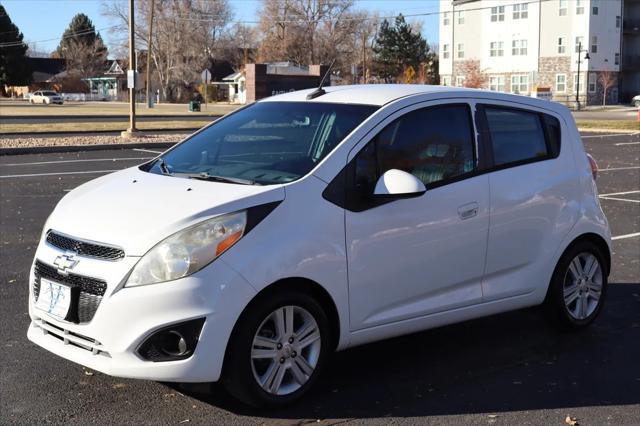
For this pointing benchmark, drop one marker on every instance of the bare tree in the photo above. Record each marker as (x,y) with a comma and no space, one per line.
(188,36)
(607,80)
(474,76)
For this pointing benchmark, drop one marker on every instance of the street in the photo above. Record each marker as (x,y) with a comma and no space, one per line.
(512,368)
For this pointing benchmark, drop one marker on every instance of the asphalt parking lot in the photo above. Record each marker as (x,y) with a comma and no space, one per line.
(507,369)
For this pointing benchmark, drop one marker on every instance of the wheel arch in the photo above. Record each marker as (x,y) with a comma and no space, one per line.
(305,285)
(599,241)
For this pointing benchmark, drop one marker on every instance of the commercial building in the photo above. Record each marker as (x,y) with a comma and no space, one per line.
(521,46)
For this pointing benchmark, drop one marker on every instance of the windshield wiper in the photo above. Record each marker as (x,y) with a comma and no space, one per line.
(216,178)
(163,167)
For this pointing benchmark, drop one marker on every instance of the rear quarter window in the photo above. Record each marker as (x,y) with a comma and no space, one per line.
(520,136)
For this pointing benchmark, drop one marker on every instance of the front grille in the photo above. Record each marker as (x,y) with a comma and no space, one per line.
(86,292)
(84,248)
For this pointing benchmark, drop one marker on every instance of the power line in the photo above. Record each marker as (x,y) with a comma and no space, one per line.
(79,33)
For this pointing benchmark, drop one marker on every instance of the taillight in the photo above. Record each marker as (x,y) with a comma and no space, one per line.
(594,166)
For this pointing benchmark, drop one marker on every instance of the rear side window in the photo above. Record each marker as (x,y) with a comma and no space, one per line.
(434,144)
(519,136)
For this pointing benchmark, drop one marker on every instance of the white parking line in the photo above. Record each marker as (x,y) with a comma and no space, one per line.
(620,199)
(147,150)
(622,237)
(58,173)
(613,169)
(77,161)
(627,143)
(620,193)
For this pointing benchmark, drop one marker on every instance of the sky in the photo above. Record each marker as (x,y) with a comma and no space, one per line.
(44,21)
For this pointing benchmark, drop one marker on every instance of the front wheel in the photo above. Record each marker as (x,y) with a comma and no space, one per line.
(277,350)
(578,286)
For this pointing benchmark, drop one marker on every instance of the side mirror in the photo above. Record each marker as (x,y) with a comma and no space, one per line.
(395,182)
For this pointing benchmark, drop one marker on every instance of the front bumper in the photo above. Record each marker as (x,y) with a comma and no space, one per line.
(125,318)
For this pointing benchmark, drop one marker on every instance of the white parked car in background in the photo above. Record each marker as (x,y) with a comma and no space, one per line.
(316,221)
(46,97)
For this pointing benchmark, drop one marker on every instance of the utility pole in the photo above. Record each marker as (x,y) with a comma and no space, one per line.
(131,77)
(149,44)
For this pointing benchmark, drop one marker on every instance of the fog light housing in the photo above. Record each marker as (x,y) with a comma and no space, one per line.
(172,343)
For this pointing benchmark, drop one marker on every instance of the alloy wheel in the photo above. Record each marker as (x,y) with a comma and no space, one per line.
(285,350)
(582,287)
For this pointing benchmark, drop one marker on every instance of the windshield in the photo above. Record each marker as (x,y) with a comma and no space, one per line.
(49,93)
(265,143)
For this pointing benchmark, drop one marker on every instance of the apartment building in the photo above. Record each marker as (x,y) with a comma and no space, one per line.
(523,45)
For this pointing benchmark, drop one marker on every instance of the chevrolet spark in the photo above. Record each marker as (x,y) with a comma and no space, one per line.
(316,221)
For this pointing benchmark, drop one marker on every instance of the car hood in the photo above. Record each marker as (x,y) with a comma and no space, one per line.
(135,210)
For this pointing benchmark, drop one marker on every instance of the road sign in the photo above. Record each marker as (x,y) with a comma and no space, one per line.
(132,79)
(206,76)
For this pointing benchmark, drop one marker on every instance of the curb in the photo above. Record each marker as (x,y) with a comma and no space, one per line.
(93,132)
(97,116)
(77,148)
(611,131)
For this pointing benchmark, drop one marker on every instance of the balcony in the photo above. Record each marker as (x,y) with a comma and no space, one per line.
(630,63)
(631,27)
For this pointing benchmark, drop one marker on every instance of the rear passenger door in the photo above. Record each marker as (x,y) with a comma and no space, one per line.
(531,181)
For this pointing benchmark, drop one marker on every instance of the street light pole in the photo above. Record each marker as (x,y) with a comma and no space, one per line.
(149,44)
(586,57)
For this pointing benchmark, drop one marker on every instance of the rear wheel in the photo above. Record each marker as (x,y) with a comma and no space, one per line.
(578,287)
(277,350)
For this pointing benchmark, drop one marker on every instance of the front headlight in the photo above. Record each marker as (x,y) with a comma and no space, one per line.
(189,250)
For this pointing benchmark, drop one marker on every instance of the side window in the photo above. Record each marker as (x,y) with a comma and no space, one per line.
(518,135)
(434,144)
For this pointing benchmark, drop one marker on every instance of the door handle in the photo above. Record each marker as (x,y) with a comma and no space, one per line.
(467,211)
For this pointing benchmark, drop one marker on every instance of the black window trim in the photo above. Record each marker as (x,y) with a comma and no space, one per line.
(487,144)
(339,189)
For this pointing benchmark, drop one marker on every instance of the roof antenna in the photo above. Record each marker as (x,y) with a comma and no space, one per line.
(320,91)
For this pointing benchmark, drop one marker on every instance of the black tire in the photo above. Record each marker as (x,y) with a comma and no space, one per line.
(555,306)
(238,376)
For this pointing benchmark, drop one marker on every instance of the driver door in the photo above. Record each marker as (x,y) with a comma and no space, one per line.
(410,257)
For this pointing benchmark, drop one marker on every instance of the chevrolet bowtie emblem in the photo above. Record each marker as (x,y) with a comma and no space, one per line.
(65,262)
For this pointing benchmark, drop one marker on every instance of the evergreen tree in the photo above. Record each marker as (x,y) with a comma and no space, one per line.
(397,48)
(82,48)
(14,64)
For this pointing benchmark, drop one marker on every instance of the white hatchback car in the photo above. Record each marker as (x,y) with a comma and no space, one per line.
(46,97)
(315,221)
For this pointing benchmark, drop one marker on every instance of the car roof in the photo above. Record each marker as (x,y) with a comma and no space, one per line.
(381,94)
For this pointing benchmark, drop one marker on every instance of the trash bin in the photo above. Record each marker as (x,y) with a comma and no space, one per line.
(194,106)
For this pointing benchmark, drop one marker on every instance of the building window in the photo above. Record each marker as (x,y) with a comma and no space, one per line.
(561,83)
(445,18)
(496,83)
(594,7)
(594,44)
(496,48)
(446,80)
(592,82)
(519,47)
(497,14)
(460,80)
(618,21)
(521,11)
(461,17)
(445,51)
(579,7)
(617,59)
(562,45)
(519,83)
(460,50)
(576,82)
(579,41)
(562,8)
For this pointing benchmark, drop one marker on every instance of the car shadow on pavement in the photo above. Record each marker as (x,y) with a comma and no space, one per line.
(512,361)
